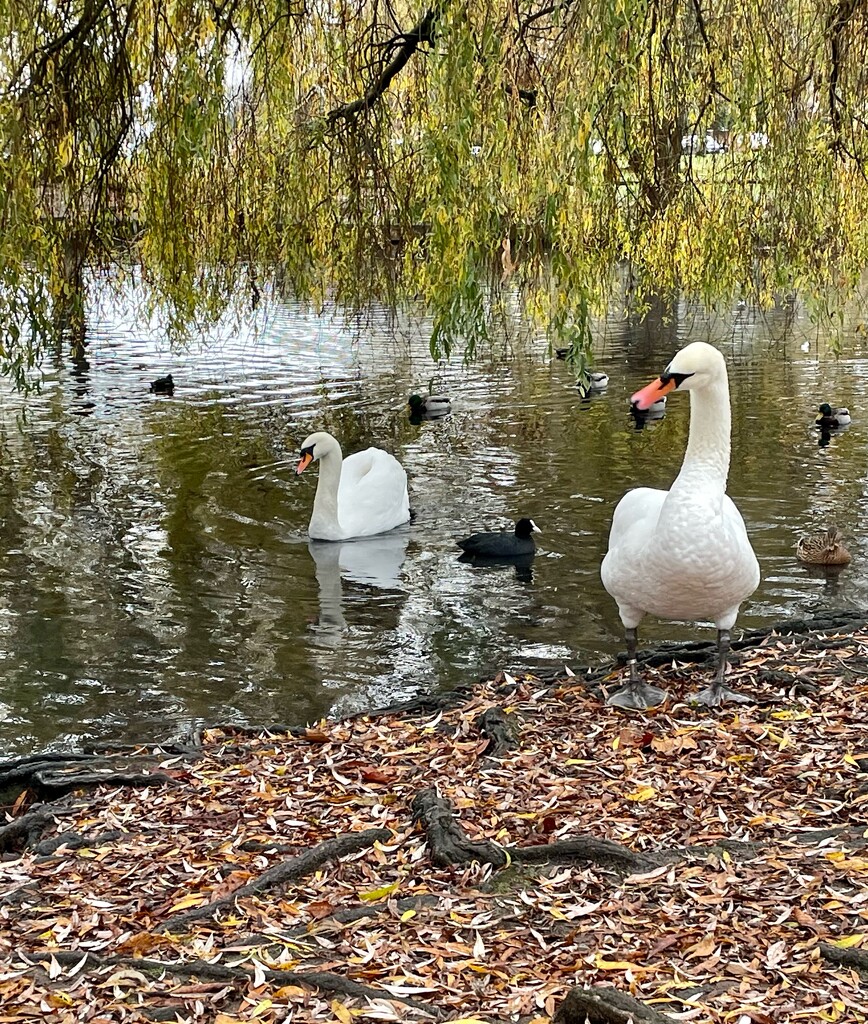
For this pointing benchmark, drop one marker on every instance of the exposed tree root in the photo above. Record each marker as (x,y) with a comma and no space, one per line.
(326,981)
(500,729)
(78,841)
(328,925)
(586,849)
(285,871)
(855,958)
(352,914)
(49,777)
(447,841)
(606,1005)
(24,832)
(448,844)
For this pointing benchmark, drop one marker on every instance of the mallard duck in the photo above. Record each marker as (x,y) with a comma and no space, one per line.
(684,553)
(163,385)
(429,405)
(832,417)
(825,548)
(502,544)
(357,496)
(592,380)
(654,409)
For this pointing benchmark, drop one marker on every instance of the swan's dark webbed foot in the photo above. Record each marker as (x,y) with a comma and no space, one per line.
(713,696)
(719,693)
(637,695)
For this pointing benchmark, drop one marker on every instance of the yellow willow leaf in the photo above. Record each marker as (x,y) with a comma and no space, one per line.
(851,863)
(60,999)
(407,915)
(188,901)
(341,1012)
(642,793)
(782,741)
(616,965)
(286,991)
(261,1007)
(790,716)
(849,940)
(376,894)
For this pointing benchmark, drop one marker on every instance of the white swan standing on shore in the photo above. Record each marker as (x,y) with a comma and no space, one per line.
(683,553)
(359,496)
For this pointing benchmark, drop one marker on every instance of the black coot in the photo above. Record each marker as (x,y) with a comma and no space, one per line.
(502,545)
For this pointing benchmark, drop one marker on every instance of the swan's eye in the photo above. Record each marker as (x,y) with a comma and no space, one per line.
(679,378)
(308,450)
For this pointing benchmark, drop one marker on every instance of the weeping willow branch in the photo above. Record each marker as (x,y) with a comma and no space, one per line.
(422,32)
(837,23)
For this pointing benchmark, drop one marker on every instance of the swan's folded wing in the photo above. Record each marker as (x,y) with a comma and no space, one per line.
(636,513)
(372,496)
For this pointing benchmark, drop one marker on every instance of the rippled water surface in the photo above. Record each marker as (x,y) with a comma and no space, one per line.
(155,572)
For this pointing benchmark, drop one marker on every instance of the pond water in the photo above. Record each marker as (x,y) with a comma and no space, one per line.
(155,572)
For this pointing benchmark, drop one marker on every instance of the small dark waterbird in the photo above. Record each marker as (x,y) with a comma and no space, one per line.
(429,406)
(831,417)
(163,385)
(504,544)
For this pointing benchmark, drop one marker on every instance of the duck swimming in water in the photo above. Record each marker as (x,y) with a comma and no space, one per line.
(430,406)
(826,548)
(831,417)
(163,385)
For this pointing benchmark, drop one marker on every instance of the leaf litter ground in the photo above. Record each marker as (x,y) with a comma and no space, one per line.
(741,896)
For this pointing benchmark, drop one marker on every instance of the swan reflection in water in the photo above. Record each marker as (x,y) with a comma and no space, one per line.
(369,561)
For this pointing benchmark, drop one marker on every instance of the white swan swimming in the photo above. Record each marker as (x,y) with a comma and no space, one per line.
(683,553)
(359,496)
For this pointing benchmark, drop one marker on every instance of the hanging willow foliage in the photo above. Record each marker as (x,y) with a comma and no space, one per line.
(378,151)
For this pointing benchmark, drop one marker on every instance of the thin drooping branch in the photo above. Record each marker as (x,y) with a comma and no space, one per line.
(836,23)
(37,60)
(422,32)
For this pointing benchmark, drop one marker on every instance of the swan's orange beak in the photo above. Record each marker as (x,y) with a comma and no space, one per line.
(652,393)
(305,460)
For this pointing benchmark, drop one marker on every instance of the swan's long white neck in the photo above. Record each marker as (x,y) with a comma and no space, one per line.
(324,520)
(706,461)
